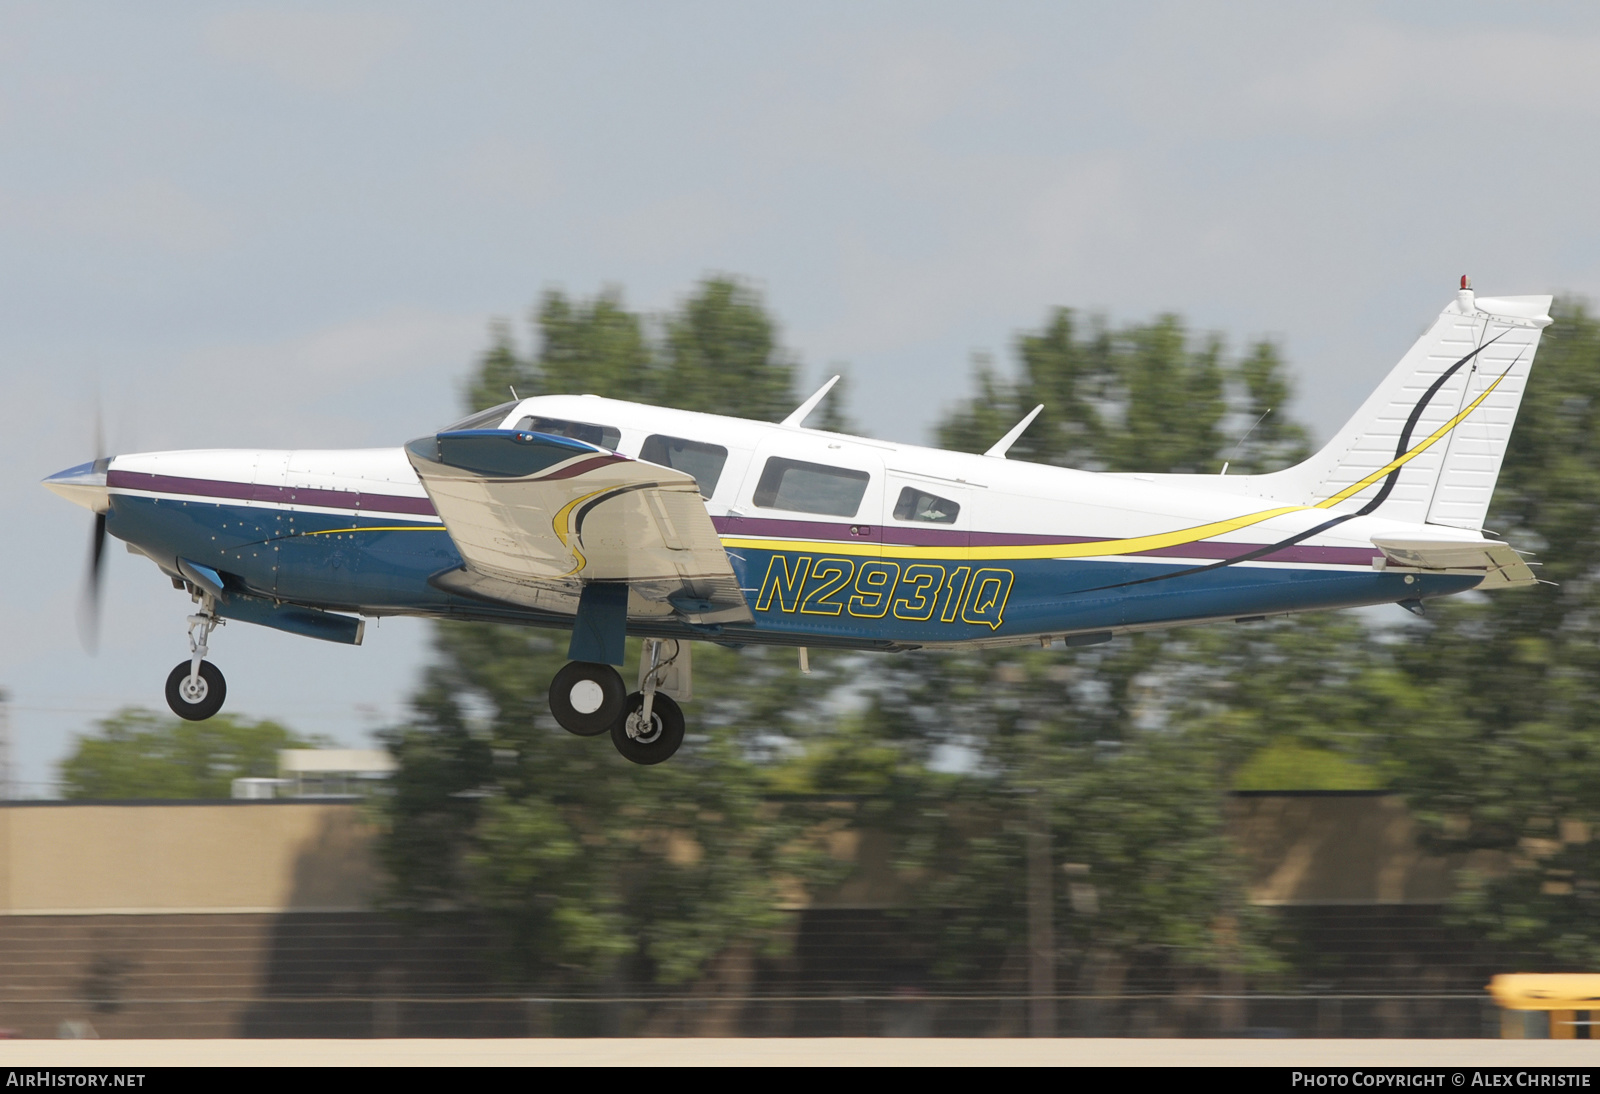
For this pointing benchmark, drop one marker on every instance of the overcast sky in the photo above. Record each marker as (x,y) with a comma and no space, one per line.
(289,225)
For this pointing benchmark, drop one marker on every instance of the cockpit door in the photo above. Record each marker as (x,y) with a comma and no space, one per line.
(814,491)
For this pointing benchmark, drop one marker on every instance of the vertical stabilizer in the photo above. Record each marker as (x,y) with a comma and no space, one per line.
(1426,446)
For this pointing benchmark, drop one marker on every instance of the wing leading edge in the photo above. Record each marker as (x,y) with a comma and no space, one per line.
(535,517)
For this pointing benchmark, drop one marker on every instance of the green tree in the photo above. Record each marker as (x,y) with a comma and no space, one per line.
(1509,760)
(1124,752)
(500,371)
(1146,397)
(140,754)
(1136,810)
(1271,438)
(717,353)
(721,355)
(597,872)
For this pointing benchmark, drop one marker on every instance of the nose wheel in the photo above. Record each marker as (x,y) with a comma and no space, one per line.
(196,696)
(195,688)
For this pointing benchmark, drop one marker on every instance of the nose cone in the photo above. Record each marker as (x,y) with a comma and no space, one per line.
(83,485)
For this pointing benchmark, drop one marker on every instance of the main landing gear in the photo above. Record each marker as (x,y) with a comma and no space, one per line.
(195,688)
(589,699)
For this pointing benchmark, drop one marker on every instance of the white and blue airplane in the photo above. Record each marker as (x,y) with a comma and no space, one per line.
(610,518)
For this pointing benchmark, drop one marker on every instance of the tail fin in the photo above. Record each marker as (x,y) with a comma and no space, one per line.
(1426,446)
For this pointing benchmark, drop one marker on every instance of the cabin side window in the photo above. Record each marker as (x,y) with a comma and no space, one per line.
(810,487)
(604,436)
(917,505)
(703,461)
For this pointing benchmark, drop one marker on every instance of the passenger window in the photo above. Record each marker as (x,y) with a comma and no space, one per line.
(603,435)
(916,505)
(810,487)
(703,461)
(483,419)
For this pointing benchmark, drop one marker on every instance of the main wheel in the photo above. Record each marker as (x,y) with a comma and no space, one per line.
(200,699)
(586,698)
(649,744)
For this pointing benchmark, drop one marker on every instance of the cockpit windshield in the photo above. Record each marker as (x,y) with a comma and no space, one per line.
(483,419)
(603,436)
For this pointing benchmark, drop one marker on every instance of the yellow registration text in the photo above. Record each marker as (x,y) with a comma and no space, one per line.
(917,592)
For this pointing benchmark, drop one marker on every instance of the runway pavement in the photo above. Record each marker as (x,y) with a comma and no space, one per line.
(788,1052)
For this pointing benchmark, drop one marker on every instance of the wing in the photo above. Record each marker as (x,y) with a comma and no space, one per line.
(536,516)
(1499,563)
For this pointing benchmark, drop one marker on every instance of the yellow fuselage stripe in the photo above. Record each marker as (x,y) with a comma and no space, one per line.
(1356,488)
(1131,546)
(1099,548)
(378,528)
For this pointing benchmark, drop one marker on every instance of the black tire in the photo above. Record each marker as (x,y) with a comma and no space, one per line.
(612,696)
(666,722)
(213,691)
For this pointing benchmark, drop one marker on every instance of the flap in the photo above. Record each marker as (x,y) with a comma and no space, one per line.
(1500,564)
(535,516)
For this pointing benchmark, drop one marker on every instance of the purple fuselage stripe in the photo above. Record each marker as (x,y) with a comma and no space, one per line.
(278,495)
(943,537)
(574,470)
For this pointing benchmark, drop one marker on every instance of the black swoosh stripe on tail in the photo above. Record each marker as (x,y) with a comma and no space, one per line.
(1383,492)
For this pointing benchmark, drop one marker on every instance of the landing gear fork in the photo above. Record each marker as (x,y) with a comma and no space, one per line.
(652,680)
(201,624)
(652,728)
(195,688)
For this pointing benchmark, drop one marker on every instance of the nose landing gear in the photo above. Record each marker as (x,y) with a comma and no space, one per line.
(195,688)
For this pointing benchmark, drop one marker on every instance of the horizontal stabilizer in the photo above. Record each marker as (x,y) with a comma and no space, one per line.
(1500,564)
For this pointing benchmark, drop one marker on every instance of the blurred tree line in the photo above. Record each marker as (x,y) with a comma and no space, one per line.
(1111,764)
(1115,761)
(140,754)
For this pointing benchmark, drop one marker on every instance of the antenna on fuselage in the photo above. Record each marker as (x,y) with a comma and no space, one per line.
(1246,437)
(809,405)
(1003,445)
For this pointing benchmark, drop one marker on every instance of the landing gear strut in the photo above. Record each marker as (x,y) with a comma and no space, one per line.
(195,688)
(652,728)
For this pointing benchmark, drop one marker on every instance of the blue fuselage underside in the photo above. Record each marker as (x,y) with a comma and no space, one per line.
(380,566)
